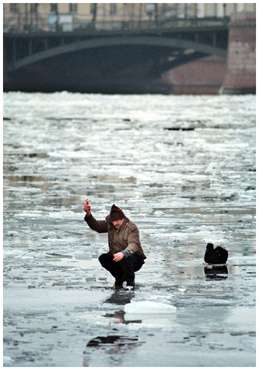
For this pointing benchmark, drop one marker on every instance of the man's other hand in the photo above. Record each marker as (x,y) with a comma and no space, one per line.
(118,257)
(87,207)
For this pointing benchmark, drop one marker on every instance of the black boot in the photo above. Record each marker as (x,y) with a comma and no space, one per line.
(117,284)
(131,280)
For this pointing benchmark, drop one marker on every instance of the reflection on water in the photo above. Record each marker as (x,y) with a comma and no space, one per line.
(117,340)
(183,169)
(119,317)
(112,347)
(25,178)
(216,272)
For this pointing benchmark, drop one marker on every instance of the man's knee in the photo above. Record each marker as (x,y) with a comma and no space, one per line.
(105,259)
(135,261)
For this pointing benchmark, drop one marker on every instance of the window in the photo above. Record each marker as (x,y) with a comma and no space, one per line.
(113,9)
(150,9)
(34,8)
(73,8)
(53,7)
(13,8)
(93,8)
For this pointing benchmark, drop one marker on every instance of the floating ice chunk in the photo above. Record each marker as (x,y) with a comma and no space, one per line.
(182,290)
(7,361)
(150,314)
(149,308)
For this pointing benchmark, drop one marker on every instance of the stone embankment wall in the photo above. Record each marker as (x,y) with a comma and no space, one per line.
(241,63)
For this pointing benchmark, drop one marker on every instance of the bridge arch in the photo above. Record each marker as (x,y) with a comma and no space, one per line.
(156,41)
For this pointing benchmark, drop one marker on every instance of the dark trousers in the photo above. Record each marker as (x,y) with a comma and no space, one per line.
(123,270)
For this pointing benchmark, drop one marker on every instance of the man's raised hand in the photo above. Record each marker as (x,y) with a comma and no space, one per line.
(87,207)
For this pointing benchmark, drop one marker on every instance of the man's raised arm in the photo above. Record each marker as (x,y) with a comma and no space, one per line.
(99,226)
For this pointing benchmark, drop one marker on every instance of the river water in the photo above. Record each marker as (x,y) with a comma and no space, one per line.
(183,169)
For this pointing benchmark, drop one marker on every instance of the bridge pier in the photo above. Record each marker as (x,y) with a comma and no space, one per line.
(202,76)
(240,76)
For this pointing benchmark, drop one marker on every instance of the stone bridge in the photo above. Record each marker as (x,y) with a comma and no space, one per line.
(182,41)
(109,61)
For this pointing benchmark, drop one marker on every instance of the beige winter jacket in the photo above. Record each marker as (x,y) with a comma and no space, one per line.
(125,239)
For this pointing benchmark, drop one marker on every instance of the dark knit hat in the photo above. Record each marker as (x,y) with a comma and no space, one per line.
(116,213)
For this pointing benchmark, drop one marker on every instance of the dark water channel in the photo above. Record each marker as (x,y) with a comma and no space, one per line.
(183,169)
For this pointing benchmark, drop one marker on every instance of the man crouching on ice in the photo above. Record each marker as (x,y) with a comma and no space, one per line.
(125,254)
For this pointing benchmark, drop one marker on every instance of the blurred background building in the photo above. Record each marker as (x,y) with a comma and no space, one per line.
(34,28)
(104,16)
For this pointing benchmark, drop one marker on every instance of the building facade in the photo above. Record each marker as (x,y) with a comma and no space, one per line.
(32,17)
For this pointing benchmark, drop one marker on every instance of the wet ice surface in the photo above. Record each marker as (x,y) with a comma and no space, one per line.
(183,169)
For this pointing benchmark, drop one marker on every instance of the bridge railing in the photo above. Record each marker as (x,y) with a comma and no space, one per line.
(173,23)
(194,22)
(71,23)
